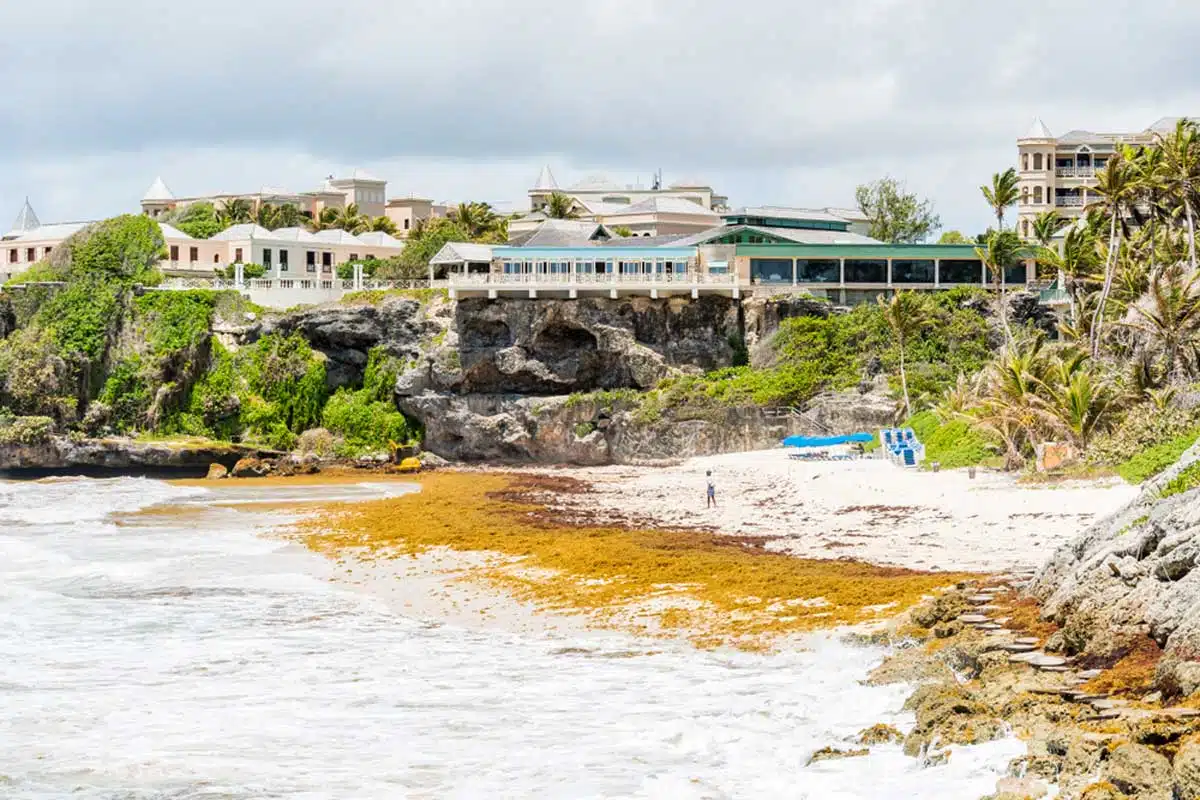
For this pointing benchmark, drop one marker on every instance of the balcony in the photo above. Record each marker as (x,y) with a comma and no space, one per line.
(1075,172)
(1068,202)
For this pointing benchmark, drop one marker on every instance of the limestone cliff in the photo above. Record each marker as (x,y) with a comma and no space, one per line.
(1134,575)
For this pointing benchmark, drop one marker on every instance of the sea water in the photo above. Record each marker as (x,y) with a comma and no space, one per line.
(188,656)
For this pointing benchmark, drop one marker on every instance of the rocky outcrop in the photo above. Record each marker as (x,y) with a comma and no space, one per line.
(550,347)
(761,317)
(1131,576)
(66,454)
(346,334)
(586,431)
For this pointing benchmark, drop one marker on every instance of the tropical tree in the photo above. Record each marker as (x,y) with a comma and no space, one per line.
(1046,226)
(1076,260)
(477,219)
(235,211)
(1076,398)
(561,206)
(896,215)
(349,220)
(905,313)
(199,220)
(954,237)
(1169,315)
(1001,251)
(273,217)
(322,220)
(624,231)
(1002,193)
(1118,189)
(1179,173)
(383,225)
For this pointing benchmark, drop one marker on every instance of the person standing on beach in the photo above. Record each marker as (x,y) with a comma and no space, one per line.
(712,490)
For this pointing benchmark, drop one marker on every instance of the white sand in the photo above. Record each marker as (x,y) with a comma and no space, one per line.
(868,509)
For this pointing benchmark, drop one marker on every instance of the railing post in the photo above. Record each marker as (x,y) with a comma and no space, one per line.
(358,276)
(239,275)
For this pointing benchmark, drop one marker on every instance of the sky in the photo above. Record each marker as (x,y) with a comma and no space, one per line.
(777,102)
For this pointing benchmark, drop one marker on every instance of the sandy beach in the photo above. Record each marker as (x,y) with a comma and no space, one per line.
(869,509)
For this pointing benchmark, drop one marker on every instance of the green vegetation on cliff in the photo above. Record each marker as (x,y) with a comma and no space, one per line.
(366,419)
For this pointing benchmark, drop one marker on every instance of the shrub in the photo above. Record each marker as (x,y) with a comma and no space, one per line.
(318,441)
(25,430)
(1185,481)
(1156,458)
(1144,427)
(127,394)
(370,267)
(125,248)
(365,425)
(175,320)
(952,444)
(249,271)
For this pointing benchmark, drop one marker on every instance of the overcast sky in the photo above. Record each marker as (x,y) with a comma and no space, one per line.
(789,102)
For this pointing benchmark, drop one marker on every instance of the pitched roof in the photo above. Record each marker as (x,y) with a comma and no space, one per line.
(596,183)
(562,233)
(157,192)
(291,235)
(54,232)
(244,230)
(379,239)
(545,181)
(848,214)
(1038,130)
(336,236)
(26,220)
(462,252)
(785,212)
(171,232)
(663,204)
(797,235)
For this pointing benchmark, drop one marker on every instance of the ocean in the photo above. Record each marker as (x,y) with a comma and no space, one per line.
(189,655)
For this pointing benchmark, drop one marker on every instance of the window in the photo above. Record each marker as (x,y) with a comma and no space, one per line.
(31,254)
(866,270)
(1037,195)
(771,270)
(960,270)
(174,252)
(310,261)
(237,255)
(818,270)
(326,262)
(912,271)
(1024,161)
(283,265)
(193,254)
(216,258)
(406,223)
(1024,195)
(1015,273)
(267,257)
(1037,160)
(13,256)
(46,252)
(354,256)
(1025,227)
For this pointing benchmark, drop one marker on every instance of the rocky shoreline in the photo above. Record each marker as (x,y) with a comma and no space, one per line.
(95,456)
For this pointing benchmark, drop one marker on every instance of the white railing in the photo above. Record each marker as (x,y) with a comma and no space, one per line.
(568,279)
(1068,202)
(1075,172)
(324,285)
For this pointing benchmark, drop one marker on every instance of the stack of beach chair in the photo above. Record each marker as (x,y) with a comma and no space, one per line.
(901,446)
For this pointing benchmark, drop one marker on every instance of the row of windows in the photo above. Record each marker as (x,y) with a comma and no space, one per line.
(606,267)
(1037,195)
(14,254)
(863,270)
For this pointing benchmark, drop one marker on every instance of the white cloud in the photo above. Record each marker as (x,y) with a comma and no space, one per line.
(783,101)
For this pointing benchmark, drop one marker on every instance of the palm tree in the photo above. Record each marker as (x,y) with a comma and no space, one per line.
(349,220)
(476,218)
(1179,174)
(235,210)
(382,225)
(906,313)
(561,206)
(1169,314)
(1076,399)
(289,216)
(1046,226)
(1075,261)
(1118,189)
(1002,193)
(323,220)
(1001,251)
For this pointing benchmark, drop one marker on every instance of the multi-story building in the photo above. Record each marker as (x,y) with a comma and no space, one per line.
(1059,172)
(367,191)
(406,212)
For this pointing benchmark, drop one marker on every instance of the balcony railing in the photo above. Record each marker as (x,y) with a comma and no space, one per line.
(1075,172)
(1068,202)
(569,279)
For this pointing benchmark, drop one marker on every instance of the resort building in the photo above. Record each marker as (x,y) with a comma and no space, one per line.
(757,249)
(369,192)
(598,192)
(406,212)
(286,253)
(1059,172)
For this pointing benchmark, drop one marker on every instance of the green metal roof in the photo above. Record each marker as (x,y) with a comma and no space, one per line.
(857,250)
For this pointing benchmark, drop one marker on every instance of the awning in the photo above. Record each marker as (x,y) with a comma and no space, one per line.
(827,441)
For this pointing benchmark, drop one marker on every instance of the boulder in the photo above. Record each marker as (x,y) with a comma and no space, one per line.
(252,468)
(831,753)
(1021,788)
(1187,772)
(1139,771)
(880,734)
(1102,791)
(216,472)
(298,464)
(949,714)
